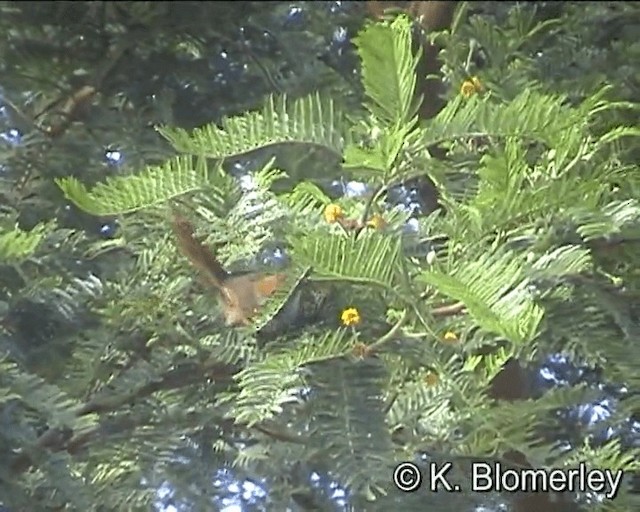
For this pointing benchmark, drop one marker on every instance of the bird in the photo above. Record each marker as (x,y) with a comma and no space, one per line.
(241,295)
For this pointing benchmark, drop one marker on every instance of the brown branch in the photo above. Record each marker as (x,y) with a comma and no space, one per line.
(280,434)
(449,310)
(174,379)
(74,105)
(60,439)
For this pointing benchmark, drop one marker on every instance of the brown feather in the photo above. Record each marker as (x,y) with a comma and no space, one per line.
(242,295)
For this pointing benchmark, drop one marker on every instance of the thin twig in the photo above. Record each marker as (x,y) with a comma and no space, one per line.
(392,332)
(367,208)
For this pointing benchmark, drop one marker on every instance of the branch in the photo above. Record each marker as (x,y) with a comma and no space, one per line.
(63,439)
(448,310)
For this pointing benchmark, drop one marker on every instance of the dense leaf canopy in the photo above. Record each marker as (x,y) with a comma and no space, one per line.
(481,321)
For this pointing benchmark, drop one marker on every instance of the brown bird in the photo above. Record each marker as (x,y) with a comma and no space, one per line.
(240,295)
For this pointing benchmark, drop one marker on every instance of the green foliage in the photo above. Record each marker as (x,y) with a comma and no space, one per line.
(389,72)
(389,79)
(269,384)
(350,422)
(536,185)
(311,120)
(17,245)
(502,305)
(329,261)
(153,186)
(306,121)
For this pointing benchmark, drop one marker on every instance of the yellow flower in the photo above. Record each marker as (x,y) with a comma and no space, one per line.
(332,212)
(376,221)
(450,336)
(467,89)
(471,87)
(350,316)
(431,379)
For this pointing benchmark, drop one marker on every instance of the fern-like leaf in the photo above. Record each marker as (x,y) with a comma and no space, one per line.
(371,258)
(531,114)
(309,120)
(267,385)
(607,221)
(18,245)
(125,194)
(350,421)
(562,261)
(54,404)
(495,293)
(389,71)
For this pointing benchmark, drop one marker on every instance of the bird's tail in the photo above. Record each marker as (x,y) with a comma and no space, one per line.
(195,251)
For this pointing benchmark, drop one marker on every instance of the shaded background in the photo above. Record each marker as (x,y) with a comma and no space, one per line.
(82,85)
